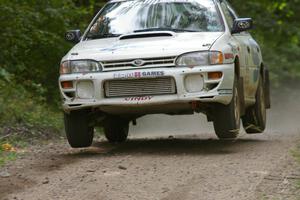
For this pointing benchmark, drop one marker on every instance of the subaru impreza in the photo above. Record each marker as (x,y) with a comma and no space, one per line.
(175,57)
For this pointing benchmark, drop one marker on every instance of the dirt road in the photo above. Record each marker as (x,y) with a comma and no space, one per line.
(193,166)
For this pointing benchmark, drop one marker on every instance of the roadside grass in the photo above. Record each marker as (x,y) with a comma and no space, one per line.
(21,138)
(25,119)
(6,156)
(296,155)
(7,153)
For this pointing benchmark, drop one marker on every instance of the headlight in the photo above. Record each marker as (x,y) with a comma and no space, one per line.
(80,66)
(200,59)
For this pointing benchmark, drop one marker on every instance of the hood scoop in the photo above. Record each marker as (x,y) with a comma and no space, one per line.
(147,35)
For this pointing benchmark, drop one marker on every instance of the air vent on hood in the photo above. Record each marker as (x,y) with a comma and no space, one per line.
(146,35)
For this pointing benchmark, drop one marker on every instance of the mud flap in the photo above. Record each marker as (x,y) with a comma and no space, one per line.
(242,96)
(267,87)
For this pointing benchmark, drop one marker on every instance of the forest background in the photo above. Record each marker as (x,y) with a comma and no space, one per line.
(32,45)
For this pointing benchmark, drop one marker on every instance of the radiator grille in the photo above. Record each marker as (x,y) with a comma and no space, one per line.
(140,87)
(138,63)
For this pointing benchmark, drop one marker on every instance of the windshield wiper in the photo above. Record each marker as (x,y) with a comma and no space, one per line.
(100,36)
(163,29)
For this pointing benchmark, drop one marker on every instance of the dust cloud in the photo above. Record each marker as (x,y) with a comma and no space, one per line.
(283,117)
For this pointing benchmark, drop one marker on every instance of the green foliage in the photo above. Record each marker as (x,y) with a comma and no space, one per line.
(296,155)
(32,40)
(32,45)
(18,106)
(1,157)
(7,156)
(278,32)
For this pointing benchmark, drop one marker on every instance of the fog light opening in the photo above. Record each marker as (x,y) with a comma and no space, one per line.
(194,83)
(85,90)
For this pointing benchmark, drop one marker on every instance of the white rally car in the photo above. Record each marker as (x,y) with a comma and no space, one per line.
(140,57)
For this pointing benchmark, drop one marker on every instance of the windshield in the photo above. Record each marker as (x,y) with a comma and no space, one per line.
(126,17)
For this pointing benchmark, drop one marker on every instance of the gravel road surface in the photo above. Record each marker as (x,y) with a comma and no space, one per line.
(166,158)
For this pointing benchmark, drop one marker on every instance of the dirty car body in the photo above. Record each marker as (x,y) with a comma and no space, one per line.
(163,56)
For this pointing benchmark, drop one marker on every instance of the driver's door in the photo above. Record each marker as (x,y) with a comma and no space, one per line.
(243,45)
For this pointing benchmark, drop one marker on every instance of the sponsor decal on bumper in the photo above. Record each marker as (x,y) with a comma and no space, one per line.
(138,74)
(145,98)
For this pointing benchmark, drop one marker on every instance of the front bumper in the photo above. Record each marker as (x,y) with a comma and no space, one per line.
(219,90)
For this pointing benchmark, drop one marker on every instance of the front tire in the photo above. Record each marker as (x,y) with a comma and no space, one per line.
(116,129)
(227,117)
(78,129)
(255,118)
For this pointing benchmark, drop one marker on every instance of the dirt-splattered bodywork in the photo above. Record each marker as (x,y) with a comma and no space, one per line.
(140,73)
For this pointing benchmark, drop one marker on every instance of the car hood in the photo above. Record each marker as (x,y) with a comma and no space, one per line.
(117,49)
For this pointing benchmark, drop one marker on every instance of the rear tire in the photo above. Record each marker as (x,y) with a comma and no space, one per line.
(78,129)
(255,118)
(116,129)
(227,117)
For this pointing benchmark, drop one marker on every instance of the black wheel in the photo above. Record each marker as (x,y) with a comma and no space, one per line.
(255,118)
(116,129)
(78,129)
(227,117)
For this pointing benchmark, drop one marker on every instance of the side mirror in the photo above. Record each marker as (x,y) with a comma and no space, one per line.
(73,36)
(242,24)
